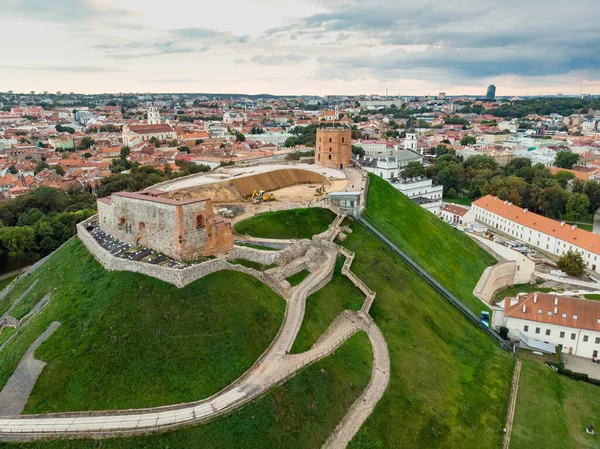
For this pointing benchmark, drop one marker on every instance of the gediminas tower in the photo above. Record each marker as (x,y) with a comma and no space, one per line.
(334,147)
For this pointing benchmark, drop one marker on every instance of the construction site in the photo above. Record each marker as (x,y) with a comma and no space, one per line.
(239,192)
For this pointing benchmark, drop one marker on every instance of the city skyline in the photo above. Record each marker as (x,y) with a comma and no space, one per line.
(285,47)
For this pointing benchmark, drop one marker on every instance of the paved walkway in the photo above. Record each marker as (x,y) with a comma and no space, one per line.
(571,281)
(272,368)
(596,226)
(365,403)
(512,405)
(15,393)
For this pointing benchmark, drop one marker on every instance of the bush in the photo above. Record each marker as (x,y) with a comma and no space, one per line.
(572,264)
(503,332)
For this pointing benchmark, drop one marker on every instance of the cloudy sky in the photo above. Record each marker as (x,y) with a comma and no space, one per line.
(301,47)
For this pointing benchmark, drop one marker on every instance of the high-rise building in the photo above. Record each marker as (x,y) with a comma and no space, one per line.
(441,96)
(491,92)
(334,147)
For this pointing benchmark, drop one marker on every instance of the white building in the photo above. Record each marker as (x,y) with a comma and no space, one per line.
(372,147)
(547,320)
(422,191)
(153,116)
(234,116)
(389,167)
(269,137)
(411,141)
(457,215)
(540,232)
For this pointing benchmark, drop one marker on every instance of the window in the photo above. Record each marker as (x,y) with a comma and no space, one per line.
(572,336)
(343,139)
(574,317)
(330,157)
(549,312)
(180,239)
(597,340)
(200,221)
(128,228)
(564,315)
(121,223)
(562,335)
(537,330)
(142,226)
(330,139)
(547,331)
(585,338)
(539,311)
(525,328)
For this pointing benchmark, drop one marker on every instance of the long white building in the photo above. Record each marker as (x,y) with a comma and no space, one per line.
(544,320)
(548,235)
(373,147)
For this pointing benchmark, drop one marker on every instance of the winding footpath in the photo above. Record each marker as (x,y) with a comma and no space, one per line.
(274,367)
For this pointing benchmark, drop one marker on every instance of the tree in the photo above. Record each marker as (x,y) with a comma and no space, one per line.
(592,190)
(563,178)
(172,143)
(154,141)
(124,152)
(239,137)
(358,151)
(87,155)
(451,193)
(290,142)
(481,162)
(578,205)
(566,159)
(85,143)
(167,168)
(18,242)
(413,170)
(59,170)
(198,141)
(12,169)
(571,263)
(40,166)
(468,140)
(440,150)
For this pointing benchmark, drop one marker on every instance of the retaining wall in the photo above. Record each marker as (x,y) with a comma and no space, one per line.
(495,278)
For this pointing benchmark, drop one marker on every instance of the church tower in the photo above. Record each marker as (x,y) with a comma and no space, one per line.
(410,143)
(153,116)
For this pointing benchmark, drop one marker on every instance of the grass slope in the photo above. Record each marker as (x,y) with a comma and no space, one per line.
(128,340)
(553,411)
(325,305)
(287,224)
(4,282)
(300,414)
(450,384)
(297,278)
(446,253)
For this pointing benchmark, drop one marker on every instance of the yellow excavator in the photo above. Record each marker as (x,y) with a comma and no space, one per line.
(260,196)
(320,190)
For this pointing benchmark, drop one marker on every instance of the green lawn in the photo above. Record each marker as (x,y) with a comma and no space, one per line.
(261,247)
(513,290)
(287,224)
(450,383)
(128,340)
(447,254)
(4,282)
(460,200)
(594,297)
(295,279)
(300,414)
(553,410)
(251,264)
(325,305)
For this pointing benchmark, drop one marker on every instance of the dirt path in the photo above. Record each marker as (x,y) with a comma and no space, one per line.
(511,406)
(15,394)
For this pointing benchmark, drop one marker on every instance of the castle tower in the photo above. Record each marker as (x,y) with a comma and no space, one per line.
(153,116)
(410,142)
(333,147)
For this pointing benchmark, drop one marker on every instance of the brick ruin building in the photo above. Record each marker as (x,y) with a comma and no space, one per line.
(182,230)
(334,147)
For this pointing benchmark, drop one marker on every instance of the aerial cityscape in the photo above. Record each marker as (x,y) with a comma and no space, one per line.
(283,224)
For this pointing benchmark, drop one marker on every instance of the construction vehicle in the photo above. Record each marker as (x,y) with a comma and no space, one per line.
(260,196)
(320,190)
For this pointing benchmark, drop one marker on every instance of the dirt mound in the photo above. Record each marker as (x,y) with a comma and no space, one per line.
(276,180)
(219,192)
(237,189)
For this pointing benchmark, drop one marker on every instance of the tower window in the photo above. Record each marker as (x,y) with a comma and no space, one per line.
(200,221)
(330,157)
(343,139)
(330,139)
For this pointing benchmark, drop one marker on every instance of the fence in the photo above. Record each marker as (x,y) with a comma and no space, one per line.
(435,284)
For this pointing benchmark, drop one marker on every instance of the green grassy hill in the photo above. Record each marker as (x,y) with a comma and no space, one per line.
(298,415)
(129,341)
(447,254)
(287,224)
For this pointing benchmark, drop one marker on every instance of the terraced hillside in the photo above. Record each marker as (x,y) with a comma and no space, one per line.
(129,341)
(446,253)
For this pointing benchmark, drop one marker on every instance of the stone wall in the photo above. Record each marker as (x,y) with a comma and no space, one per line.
(255,255)
(178,277)
(495,278)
